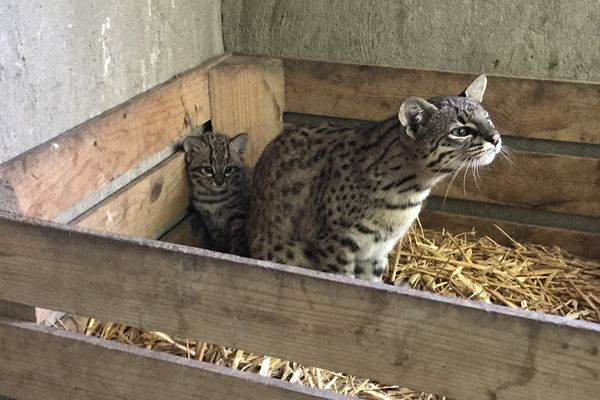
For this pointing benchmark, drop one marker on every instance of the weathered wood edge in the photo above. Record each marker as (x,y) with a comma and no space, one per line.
(141,370)
(557,340)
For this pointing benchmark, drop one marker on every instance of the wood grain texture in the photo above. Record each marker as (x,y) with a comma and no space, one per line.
(97,369)
(10,204)
(247,95)
(550,182)
(147,205)
(443,345)
(541,109)
(189,232)
(580,243)
(56,175)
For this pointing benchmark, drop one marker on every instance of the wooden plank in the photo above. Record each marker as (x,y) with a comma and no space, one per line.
(56,175)
(146,206)
(541,109)
(581,243)
(247,95)
(10,204)
(542,181)
(437,344)
(189,232)
(97,369)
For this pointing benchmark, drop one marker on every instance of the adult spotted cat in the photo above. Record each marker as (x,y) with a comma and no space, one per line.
(338,199)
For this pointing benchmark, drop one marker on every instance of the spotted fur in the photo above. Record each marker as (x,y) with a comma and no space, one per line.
(219,188)
(338,199)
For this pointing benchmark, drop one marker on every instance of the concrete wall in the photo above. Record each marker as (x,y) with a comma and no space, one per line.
(534,38)
(63,62)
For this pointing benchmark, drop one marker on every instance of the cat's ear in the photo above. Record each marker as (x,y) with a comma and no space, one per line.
(191,146)
(412,112)
(476,89)
(238,143)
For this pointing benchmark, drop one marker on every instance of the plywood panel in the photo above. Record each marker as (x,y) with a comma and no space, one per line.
(459,348)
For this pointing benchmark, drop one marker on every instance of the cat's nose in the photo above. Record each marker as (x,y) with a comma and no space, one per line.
(219,181)
(495,139)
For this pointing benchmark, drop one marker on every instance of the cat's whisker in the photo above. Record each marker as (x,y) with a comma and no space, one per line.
(465,177)
(475,170)
(507,153)
(452,180)
(477,175)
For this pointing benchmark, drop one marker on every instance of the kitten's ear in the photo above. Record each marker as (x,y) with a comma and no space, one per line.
(412,112)
(191,146)
(238,143)
(476,89)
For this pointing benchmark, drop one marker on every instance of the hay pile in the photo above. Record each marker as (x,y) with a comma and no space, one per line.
(521,276)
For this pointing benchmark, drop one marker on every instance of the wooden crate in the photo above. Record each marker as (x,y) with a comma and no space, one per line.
(105,264)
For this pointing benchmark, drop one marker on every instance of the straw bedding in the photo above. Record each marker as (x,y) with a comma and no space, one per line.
(520,276)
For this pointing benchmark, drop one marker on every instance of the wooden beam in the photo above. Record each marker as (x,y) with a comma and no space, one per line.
(550,182)
(437,344)
(145,207)
(98,369)
(247,95)
(581,243)
(56,175)
(541,109)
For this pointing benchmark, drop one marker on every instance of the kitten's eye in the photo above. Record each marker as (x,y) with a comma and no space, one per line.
(208,170)
(229,169)
(462,132)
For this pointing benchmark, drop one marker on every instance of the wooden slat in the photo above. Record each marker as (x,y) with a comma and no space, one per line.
(247,95)
(540,109)
(441,345)
(37,367)
(188,232)
(56,175)
(10,204)
(146,206)
(542,181)
(580,243)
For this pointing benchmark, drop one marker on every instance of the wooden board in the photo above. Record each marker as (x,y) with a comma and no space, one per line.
(56,175)
(539,109)
(443,345)
(247,95)
(146,206)
(97,369)
(189,232)
(550,182)
(580,243)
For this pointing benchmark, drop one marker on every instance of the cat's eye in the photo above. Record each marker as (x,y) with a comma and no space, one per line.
(208,170)
(228,170)
(462,132)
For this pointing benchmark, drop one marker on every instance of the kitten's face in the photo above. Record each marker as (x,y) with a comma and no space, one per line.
(213,160)
(452,131)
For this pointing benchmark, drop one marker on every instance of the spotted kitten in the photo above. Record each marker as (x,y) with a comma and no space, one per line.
(219,188)
(338,199)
